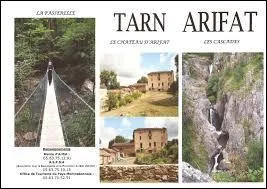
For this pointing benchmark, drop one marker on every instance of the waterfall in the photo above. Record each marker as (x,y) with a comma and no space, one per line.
(216,162)
(211,115)
(210,68)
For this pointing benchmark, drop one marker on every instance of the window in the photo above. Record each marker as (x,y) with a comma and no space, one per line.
(162,83)
(152,85)
(150,144)
(158,84)
(141,145)
(140,137)
(155,144)
(168,84)
(149,134)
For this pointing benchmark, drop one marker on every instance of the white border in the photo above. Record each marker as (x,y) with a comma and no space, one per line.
(102,11)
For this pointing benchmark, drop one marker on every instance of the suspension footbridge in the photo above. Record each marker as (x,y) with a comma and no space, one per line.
(55,115)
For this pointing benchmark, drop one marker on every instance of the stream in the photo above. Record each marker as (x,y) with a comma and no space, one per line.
(222,138)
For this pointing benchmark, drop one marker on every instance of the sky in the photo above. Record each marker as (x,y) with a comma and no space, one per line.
(111,127)
(130,67)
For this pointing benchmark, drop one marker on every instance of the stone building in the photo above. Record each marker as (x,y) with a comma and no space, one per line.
(150,140)
(114,155)
(105,157)
(160,81)
(126,149)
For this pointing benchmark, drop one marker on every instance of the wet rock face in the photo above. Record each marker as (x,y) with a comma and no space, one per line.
(190,174)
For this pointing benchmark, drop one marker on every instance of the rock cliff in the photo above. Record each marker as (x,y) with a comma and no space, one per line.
(222,107)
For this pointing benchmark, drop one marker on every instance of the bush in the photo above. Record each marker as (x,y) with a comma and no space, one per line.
(238,167)
(112,101)
(255,154)
(212,89)
(135,95)
(223,177)
(128,99)
(255,175)
(168,154)
(122,102)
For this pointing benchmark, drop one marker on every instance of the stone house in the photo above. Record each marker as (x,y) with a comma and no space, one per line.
(105,157)
(126,149)
(113,154)
(150,140)
(160,81)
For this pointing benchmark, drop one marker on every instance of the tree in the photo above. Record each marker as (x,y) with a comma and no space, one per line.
(109,79)
(68,42)
(118,139)
(143,79)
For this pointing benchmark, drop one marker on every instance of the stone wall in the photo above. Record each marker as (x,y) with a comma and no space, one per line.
(128,173)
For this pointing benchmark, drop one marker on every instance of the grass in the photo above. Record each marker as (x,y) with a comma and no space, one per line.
(149,104)
(236,78)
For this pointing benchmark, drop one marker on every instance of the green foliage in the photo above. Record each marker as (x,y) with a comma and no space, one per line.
(80,129)
(128,98)
(255,154)
(237,77)
(109,79)
(25,121)
(255,175)
(212,89)
(143,79)
(223,177)
(241,169)
(116,100)
(68,42)
(112,100)
(118,139)
(168,154)
(136,94)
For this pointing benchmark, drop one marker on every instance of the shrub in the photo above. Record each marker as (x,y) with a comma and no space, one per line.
(255,154)
(128,99)
(122,102)
(112,100)
(223,177)
(238,167)
(255,175)
(135,95)
(212,89)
